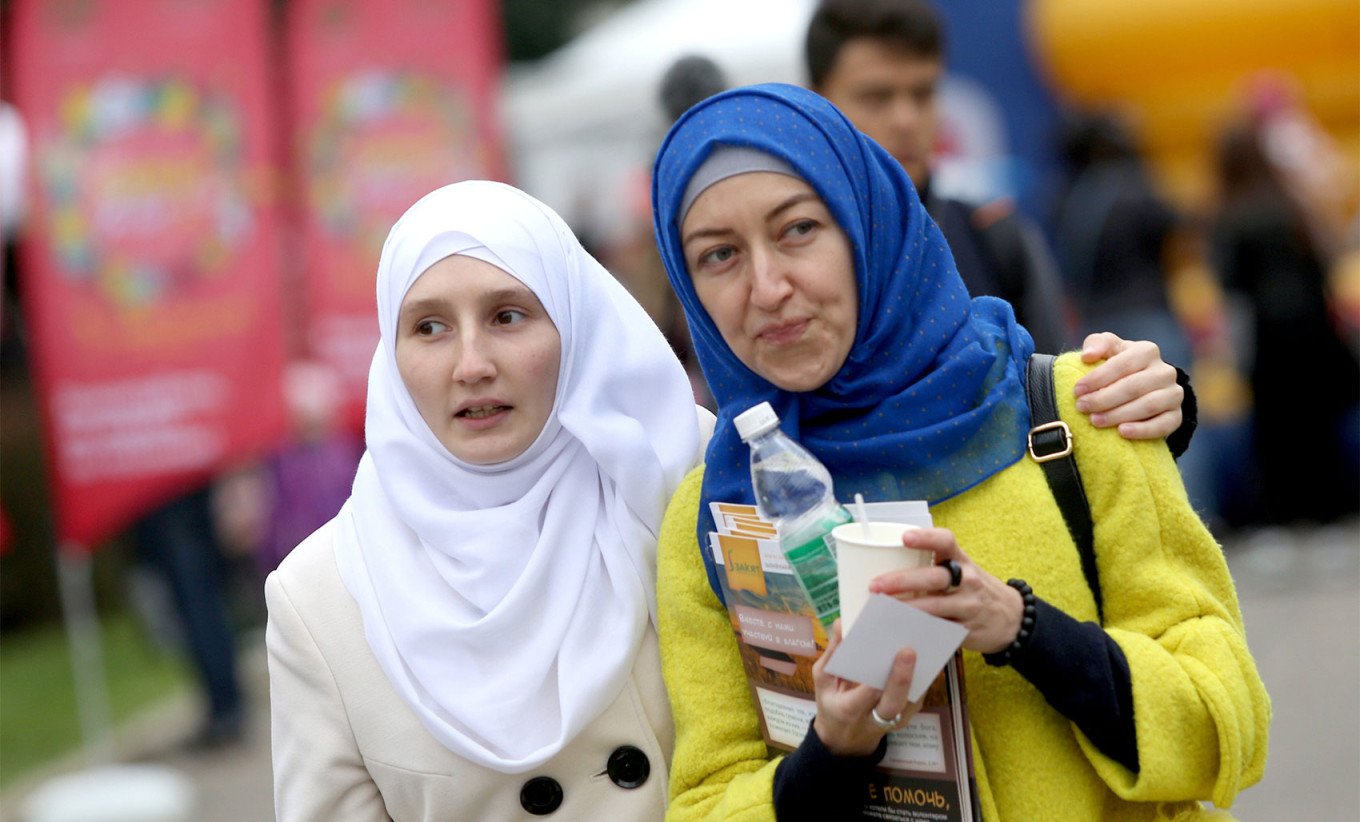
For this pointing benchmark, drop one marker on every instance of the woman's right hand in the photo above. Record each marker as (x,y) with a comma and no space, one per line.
(844,720)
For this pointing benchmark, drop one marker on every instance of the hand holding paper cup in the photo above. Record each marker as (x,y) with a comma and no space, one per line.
(865,550)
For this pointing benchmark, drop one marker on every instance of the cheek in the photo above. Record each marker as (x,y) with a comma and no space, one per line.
(928,119)
(879,127)
(545,376)
(723,302)
(419,370)
(849,324)
(406,368)
(838,291)
(543,370)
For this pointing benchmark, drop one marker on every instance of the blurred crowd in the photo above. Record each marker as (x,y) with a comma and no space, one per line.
(1254,296)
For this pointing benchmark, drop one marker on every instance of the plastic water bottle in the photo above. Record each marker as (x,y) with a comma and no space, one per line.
(793,491)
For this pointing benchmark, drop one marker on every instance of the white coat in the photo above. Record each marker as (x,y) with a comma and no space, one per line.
(347,748)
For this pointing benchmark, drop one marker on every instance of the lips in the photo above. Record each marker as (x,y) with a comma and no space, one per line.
(782,333)
(478,412)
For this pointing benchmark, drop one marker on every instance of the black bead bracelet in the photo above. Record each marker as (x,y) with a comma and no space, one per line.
(1007,654)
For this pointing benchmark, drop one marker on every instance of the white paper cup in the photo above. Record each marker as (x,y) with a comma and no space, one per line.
(865,551)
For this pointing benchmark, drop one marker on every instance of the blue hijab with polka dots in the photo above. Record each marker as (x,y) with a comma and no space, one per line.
(931,400)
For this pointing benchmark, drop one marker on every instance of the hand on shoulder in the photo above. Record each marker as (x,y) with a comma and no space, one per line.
(1133,389)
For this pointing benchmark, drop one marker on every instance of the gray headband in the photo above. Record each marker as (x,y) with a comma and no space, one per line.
(729,161)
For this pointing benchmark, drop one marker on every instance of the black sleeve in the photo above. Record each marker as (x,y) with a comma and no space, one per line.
(813,785)
(1084,675)
(1179,440)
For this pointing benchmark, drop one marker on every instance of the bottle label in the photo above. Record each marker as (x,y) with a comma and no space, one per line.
(805,536)
(811,551)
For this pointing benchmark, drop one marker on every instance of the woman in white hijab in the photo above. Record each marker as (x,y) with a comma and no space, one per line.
(472,636)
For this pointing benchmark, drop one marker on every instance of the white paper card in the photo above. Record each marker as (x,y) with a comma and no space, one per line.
(883,628)
(907,512)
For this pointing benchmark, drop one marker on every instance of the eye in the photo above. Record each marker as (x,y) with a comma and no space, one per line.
(801,230)
(508,316)
(429,328)
(717,256)
(875,98)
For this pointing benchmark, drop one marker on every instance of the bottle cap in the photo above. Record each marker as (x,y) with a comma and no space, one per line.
(755,421)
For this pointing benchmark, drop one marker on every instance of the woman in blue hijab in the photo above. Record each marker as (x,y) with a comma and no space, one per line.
(813,279)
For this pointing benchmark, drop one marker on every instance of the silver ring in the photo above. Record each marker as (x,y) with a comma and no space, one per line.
(885,724)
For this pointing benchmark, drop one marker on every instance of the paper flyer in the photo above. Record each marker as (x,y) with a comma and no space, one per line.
(927,774)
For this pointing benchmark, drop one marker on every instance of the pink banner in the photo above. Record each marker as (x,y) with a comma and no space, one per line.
(389,101)
(150,269)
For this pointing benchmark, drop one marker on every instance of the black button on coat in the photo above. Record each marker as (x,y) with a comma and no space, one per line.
(629,766)
(541,795)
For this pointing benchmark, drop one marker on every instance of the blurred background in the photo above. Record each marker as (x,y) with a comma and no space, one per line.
(194,194)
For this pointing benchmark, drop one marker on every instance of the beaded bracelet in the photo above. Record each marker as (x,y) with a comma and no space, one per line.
(1005,656)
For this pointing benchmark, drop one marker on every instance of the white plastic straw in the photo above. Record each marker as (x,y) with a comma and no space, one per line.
(862,515)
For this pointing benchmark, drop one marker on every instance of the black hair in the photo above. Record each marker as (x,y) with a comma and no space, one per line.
(1090,137)
(1242,163)
(689,80)
(911,25)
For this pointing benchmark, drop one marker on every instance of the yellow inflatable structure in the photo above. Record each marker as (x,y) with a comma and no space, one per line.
(1182,68)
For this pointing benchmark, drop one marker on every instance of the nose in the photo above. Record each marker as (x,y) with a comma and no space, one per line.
(904,113)
(770,284)
(472,360)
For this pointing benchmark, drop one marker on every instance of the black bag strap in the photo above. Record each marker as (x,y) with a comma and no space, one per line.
(1050,445)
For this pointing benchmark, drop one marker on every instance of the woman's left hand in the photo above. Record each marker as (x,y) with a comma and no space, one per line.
(1133,389)
(990,609)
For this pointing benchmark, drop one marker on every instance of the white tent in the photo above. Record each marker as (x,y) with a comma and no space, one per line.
(582,124)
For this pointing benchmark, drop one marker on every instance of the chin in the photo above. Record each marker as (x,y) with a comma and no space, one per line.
(916,170)
(480,455)
(800,382)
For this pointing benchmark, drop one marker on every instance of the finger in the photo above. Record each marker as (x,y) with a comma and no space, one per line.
(1111,371)
(893,699)
(1139,397)
(908,582)
(936,604)
(1141,407)
(1158,427)
(1146,382)
(1133,357)
(852,699)
(942,546)
(912,709)
(1100,346)
(939,541)
(833,639)
(953,573)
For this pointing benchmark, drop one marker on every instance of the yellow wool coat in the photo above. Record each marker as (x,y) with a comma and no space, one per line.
(1200,710)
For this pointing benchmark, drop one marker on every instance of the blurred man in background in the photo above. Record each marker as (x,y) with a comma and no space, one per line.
(881,62)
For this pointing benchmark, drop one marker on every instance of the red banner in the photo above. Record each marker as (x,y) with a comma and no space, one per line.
(390,101)
(150,270)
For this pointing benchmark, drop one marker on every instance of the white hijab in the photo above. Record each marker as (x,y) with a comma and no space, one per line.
(506,603)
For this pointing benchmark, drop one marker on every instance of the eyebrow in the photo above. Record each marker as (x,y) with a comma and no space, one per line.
(500,295)
(423,305)
(513,294)
(790,202)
